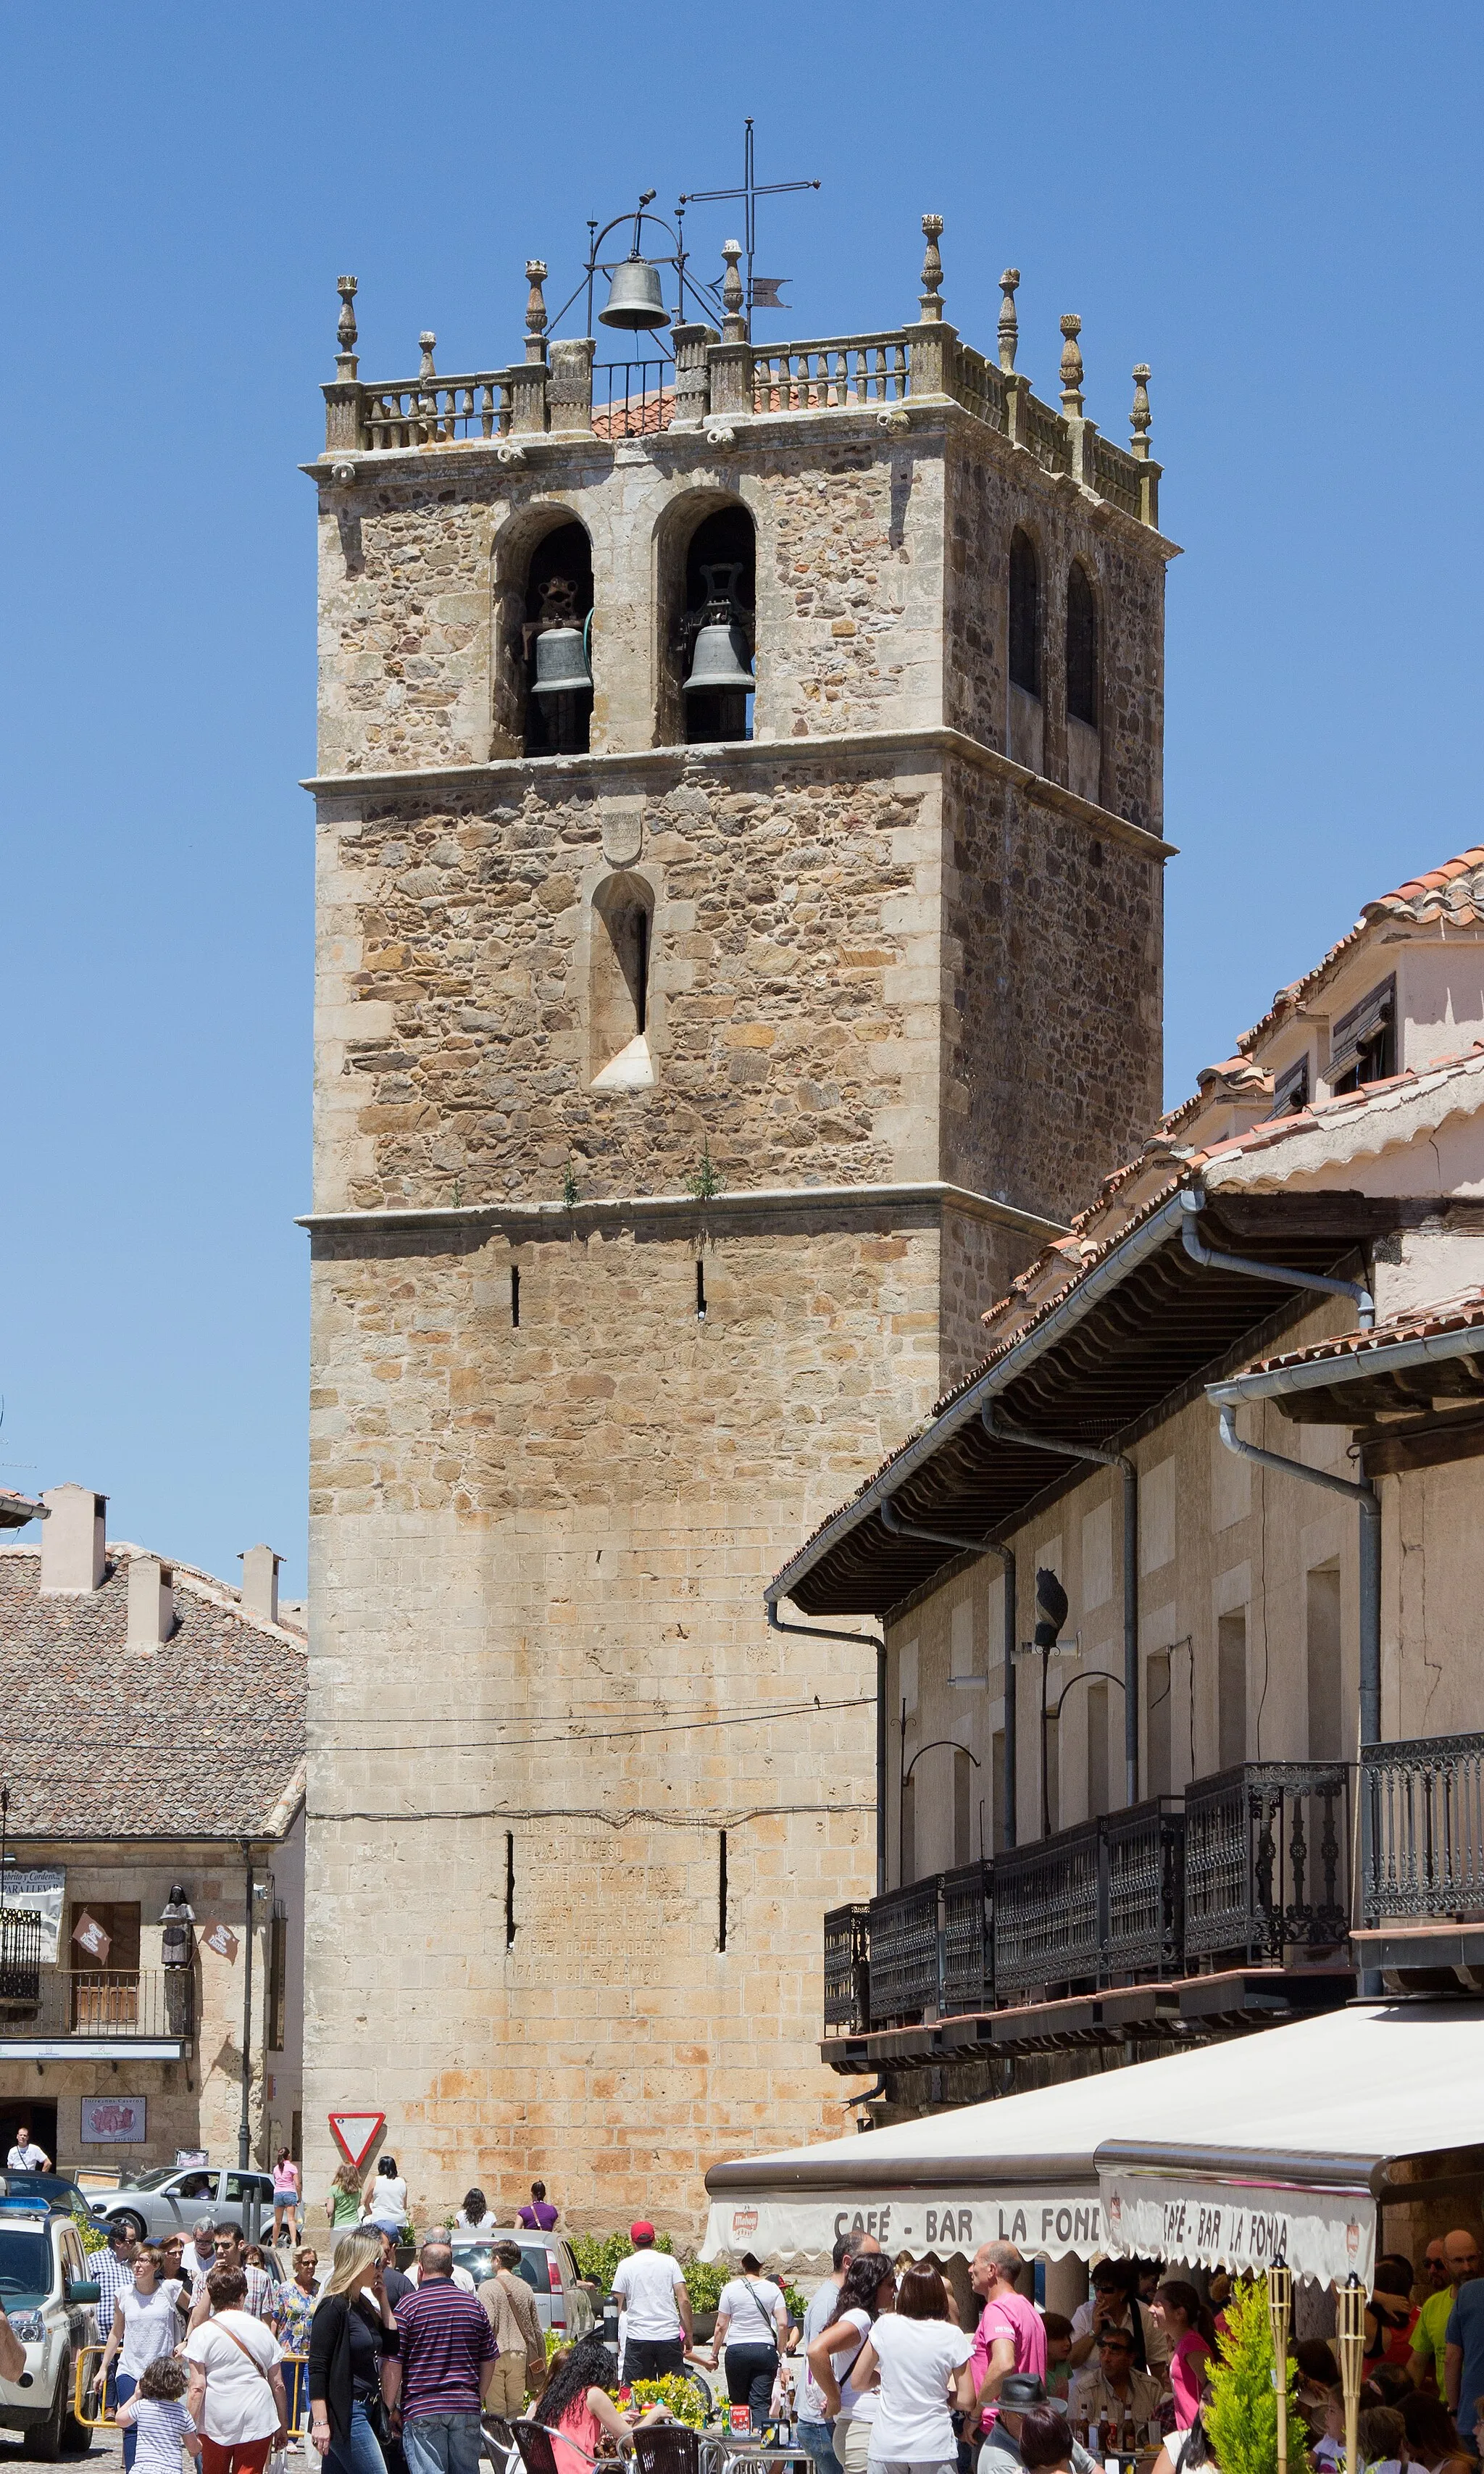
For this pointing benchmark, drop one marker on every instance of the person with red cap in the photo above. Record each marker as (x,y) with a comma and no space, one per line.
(654,2309)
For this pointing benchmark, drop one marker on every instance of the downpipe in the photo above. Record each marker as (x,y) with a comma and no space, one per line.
(893,1521)
(1362,1493)
(1247,1266)
(1121,1462)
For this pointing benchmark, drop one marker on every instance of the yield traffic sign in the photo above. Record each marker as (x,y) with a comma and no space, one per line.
(356,2134)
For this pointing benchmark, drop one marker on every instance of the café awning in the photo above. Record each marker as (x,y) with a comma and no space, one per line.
(1291,2138)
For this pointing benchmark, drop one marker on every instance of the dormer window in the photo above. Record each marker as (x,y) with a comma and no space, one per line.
(1363,1042)
(1291,1089)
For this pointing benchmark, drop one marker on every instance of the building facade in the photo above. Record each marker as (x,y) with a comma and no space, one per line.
(671,1045)
(154,1763)
(1235,1415)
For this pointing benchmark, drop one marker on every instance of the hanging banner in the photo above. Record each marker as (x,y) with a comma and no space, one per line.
(801,2231)
(1324,2233)
(89,1935)
(39,1894)
(222,1939)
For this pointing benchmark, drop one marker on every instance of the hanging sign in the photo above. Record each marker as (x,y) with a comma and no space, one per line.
(113,2121)
(222,1939)
(90,1933)
(356,2134)
(799,2231)
(40,1894)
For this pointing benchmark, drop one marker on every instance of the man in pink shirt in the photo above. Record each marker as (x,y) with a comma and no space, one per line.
(1011,2335)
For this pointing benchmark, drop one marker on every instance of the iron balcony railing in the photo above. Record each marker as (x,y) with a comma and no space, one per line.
(1422,1803)
(1267,1861)
(51,2004)
(1250,1866)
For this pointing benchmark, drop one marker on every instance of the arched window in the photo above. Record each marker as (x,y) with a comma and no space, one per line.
(1025,615)
(556,637)
(621,931)
(1081,648)
(712,601)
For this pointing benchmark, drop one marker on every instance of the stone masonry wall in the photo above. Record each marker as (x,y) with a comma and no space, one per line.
(792,1023)
(991,489)
(524,1540)
(1053,1034)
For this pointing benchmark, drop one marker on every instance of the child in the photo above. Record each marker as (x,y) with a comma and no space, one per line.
(1329,2447)
(1058,2345)
(162,2427)
(1383,2439)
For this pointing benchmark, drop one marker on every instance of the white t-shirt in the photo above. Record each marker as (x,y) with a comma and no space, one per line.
(856,2405)
(388,2201)
(751,2304)
(485,2224)
(239,2404)
(916,2358)
(646,2280)
(25,2160)
(152,2325)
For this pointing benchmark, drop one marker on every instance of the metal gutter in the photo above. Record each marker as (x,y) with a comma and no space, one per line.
(563,1216)
(829,2171)
(878,1643)
(1355,1365)
(1292,2169)
(1018,1358)
(1249,1268)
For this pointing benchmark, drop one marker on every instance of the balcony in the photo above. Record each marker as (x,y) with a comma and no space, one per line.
(57,2014)
(1421,1807)
(1073,1935)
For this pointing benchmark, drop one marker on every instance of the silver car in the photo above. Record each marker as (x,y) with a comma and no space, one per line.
(563,2301)
(173,2198)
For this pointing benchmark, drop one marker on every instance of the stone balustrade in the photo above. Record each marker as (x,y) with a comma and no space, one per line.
(727,378)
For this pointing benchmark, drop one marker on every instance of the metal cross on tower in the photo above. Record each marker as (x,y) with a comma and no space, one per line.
(749,193)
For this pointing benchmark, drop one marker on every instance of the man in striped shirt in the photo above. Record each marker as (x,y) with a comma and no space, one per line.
(448,2354)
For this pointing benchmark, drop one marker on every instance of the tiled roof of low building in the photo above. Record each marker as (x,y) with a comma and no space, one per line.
(1462,1313)
(202,1737)
(1453,891)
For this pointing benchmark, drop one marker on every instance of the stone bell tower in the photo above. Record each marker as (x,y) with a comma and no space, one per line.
(739,942)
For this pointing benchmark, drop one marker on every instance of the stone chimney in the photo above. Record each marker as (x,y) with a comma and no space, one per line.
(151,1602)
(72,1540)
(261,1583)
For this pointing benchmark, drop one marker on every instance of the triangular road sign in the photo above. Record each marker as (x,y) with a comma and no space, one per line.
(356,2134)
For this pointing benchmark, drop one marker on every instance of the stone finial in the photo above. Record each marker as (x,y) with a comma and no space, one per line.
(1138,444)
(1071,367)
(1010,323)
(734,325)
(345,332)
(425,342)
(930,306)
(535,310)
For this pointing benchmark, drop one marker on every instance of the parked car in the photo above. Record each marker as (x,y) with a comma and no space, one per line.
(57,2189)
(172,2198)
(48,2295)
(563,2301)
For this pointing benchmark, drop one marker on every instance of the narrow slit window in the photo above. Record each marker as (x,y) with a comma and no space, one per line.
(721,1889)
(700,1292)
(509,1888)
(642,969)
(515,1296)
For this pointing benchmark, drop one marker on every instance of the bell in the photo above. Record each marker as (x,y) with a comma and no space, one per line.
(561,663)
(719,659)
(634,295)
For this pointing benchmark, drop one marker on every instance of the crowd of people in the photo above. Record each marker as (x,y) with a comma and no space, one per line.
(391,2372)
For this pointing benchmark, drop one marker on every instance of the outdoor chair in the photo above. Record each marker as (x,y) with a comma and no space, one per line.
(533,2439)
(666,2448)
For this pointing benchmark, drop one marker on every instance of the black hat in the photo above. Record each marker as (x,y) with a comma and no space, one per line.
(1021,2389)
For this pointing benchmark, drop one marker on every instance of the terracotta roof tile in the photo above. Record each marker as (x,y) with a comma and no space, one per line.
(1454,892)
(1463,1312)
(200,1737)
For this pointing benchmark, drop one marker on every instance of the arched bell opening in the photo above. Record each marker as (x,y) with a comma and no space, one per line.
(708,600)
(543,636)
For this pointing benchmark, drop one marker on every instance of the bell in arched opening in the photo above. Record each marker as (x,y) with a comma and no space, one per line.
(633,298)
(561,662)
(554,645)
(720,670)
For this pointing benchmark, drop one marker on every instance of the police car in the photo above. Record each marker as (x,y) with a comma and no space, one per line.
(48,2295)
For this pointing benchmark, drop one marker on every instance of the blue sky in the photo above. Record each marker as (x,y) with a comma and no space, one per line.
(1275,207)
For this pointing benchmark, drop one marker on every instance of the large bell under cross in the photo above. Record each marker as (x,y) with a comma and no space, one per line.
(633,298)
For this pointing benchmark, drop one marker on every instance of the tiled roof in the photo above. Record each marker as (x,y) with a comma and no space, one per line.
(1462,1313)
(199,1738)
(639,416)
(1453,891)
